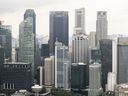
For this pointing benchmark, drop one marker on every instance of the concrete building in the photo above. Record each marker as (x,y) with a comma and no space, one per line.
(26,42)
(40,75)
(49,71)
(16,76)
(92,39)
(80,21)
(61,66)
(80,45)
(111,81)
(101,26)
(121,90)
(59,28)
(95,88)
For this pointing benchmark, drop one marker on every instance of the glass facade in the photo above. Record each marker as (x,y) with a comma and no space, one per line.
(59,28)
(26,42)
(122,66)
(6,40)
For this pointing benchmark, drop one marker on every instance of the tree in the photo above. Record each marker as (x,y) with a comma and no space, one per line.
(61,92)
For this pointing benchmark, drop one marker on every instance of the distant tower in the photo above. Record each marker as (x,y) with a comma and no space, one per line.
(80,20)
(79,39)
(101,26)
(58,29)
(26,42)
(31,13)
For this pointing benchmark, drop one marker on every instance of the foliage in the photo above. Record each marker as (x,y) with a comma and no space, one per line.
(61,92)
(108,93)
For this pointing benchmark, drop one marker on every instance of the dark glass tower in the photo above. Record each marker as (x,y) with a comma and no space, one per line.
(6,40)
(122,60)
(106,59)
(58,29)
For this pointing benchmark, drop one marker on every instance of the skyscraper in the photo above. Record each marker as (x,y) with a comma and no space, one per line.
(106,60)
(58,29)
(80,21)
(6,40)
(31,13)
(122,60)
(61,65)
(26,42)
(101,26)
(79,39)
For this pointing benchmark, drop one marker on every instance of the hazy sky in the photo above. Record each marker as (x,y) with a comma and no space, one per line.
(11,11)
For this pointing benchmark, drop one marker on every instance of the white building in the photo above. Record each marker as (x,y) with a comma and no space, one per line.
(79,39)
(61,66)
(111,81)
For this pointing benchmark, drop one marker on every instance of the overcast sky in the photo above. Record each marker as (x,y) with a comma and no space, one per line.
(11,11)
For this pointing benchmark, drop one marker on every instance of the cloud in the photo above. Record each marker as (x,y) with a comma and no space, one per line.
(14,5)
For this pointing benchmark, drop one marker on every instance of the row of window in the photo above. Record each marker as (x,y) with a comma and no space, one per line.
(16,66)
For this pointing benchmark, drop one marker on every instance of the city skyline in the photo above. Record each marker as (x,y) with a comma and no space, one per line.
(117,15)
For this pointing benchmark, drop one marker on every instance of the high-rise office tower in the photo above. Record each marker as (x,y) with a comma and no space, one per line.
(26,42)
(58,29)
(94,79)
(31,13)
(79,39)
(101,26)
(106,60)
(122,60)
(61,66)
(6,40)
